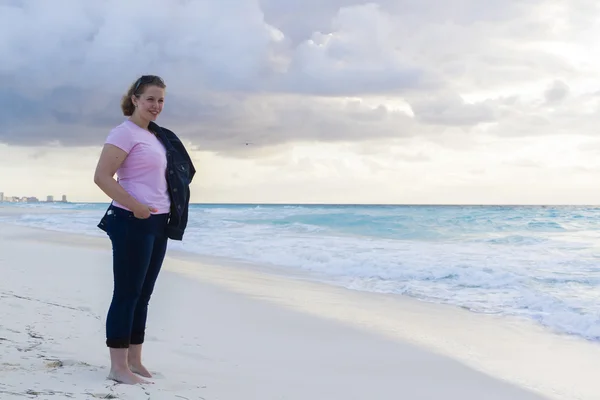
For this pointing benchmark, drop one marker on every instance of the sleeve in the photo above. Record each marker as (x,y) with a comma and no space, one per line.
(122,138)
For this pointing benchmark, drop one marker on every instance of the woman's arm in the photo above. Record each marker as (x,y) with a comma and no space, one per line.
(109,162)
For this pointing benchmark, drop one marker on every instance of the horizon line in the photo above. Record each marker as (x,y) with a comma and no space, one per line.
(346,204)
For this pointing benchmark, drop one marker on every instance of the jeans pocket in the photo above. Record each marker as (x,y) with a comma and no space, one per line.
(141,225)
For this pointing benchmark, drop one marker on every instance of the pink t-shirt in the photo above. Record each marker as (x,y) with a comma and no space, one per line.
(142,174)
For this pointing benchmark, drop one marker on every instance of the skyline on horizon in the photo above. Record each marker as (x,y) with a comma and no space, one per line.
(316,204)
(329,102)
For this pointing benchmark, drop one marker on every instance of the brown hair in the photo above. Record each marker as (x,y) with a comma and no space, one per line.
(137,88)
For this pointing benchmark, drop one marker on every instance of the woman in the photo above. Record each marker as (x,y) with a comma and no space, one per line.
(149,205)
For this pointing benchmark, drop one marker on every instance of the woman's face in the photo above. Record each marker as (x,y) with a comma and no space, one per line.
(150,103)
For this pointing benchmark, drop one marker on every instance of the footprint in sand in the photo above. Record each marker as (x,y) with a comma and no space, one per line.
(33,334)
(9,367)
(55,364)
(28,348)
(103,395)
(48,393)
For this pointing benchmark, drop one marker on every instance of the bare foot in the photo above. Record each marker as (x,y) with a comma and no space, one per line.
(140,370)
(126,376)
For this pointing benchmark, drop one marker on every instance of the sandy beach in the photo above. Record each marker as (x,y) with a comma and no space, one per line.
(221,331)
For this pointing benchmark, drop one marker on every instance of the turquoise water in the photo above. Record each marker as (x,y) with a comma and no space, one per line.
(538,263)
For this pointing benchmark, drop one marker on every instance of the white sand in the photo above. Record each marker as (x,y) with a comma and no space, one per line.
(224,332)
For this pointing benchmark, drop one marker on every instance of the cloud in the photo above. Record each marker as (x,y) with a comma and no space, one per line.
(451,110)
(275,72)
(270,120)
(557,92)
(356,55)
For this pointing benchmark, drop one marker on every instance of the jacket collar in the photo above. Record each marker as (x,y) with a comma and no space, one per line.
(162,134)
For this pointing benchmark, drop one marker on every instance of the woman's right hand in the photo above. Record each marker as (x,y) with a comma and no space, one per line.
(143,211)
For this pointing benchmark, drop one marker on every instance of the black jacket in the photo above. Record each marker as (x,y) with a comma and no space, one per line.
(180,172)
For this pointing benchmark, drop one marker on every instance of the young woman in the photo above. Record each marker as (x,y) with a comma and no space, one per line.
(149,205)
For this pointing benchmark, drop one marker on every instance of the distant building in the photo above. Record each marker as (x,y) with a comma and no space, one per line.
(28,199)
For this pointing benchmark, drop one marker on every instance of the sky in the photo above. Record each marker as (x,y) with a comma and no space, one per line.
(313,101)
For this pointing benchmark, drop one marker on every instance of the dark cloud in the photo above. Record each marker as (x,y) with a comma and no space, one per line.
(274,120)
(300,19)
(274,72)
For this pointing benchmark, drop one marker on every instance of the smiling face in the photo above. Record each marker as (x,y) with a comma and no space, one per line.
(149,104)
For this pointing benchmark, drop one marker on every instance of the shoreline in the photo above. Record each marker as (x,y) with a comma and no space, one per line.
(525,299)
(513,351)
(181,253)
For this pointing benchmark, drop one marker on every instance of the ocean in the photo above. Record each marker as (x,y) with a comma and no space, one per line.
(540,263)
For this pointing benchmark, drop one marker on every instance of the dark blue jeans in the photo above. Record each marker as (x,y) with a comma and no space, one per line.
(139,247)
